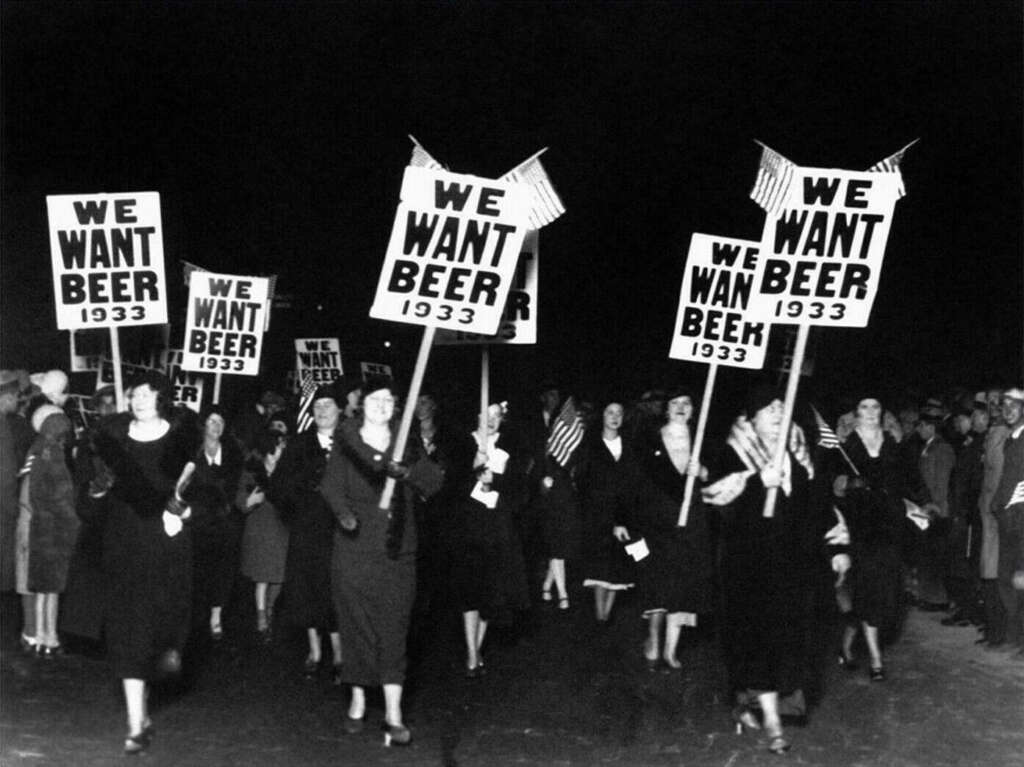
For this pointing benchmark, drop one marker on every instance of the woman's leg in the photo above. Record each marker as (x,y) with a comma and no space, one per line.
(216,630)
(874,649)
(770,708)
(849,634)
(357,706)
(335,648)
(39,618)
(50,605)
(481,632)
(599,592)
(471,627)
(558,571)
(262,623)
(135,704)
(393,704)
(313,637)
(654,624)
(549,579)
(28,619)
(673,625)
(609,600)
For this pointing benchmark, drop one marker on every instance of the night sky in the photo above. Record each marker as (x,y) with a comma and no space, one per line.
(276,136)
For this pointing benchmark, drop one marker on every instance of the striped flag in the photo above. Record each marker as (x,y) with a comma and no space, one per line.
(891,164)
(774,177)
(1018,495)
(545,205)
(566,433)
(304,419)
(827,436)
(421,158)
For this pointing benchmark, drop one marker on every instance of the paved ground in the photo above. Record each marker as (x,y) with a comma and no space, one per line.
(559,692)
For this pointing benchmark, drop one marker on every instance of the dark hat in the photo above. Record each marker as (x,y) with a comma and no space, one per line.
(328,391)
(679,390)
(344,385)
(931,416)
(760,396)
(374,383)
(272,399)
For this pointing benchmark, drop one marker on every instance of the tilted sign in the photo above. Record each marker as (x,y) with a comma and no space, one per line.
(318,358)
(224,324)
(713,322)
(452,255)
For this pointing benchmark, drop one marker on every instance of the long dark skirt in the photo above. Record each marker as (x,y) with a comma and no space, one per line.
(373,598)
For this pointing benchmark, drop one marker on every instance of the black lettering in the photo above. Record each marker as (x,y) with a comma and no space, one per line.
(418,233)
(456,280)
(485,284)
(701,279)
(844,227)
(431,276)
(487,204)
(475,236)
(454,194)
(774,279)
(855,190)
(503,231)
(692,321)
(820,189)
(72,248)
(448,239)
(91,211)
(145,286)
(197,341)
(518,306)
(855,280)
(204,311)
(220,287)
(723,253)
(788,229)
(869,220)
(402,276)
(71,289)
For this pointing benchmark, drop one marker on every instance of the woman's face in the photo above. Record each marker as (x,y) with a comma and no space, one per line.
(680,408)
(143,402)
(869,412)
(214,426)
(325,414)
(379,407)
(768,420)
(979,420)
(425,407)
(612,416)
(494,419)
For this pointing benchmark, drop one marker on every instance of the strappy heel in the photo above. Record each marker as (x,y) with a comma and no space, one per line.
(396,735)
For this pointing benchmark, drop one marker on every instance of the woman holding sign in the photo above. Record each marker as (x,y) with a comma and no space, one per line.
(373,567)
(675,583)
(147,557)
(768,565)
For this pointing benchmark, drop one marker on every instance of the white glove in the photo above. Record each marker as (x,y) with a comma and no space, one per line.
(840,566)
(172,524)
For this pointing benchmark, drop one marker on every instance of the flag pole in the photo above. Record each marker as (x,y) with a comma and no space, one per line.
(216,388)
(408,410)
(115,353)
(698,440)
(795,366)
(485,372)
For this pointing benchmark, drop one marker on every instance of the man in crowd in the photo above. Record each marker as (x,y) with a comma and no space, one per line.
(1008,508)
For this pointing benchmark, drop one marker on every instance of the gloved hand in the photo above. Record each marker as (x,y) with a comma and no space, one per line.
(397,470)
(172,524)
(101,483)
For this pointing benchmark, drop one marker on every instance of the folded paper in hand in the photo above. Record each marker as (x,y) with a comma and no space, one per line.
(637,549)
(916,515)
(488,498)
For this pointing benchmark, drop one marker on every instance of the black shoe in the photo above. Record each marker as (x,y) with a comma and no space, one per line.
(847,664)
(136,744)
(352,725)
(336,675)
(396,735)
(309,668)
(878,674)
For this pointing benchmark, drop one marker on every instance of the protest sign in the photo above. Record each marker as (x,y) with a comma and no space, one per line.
(187,386)
(319,359)
(519,320)
(374,369)
(452,255)
(224,324)
(88,348)
(108,260)
(821,252)
(106,375)
(713,322)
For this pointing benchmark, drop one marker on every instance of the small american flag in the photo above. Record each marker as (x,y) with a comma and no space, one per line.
(891,164)
(305,417)
(774,177)
(566,433)
(1018,495)
(421,158)
(827,436)
(545,205)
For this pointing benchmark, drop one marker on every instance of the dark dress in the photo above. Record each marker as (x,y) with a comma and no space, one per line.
(559,509)
(265,538)
(767,570)
(294,491)
(875,518)
(488,570)
(216,526)
(149,574)
(53,528)
(373,570)
(677,574)
(607,489)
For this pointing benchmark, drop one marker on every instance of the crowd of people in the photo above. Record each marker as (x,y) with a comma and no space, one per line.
(135,527)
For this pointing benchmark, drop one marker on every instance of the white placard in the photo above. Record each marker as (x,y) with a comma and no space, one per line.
(188,386)
(318,358)
(713,321)
(821,257)
(224,325)
(452,255)
(108,260)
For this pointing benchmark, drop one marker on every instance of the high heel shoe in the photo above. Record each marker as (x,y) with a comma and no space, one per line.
(136,744)
(877,674)
(779,744)
(563,603)
(336,678)
(848,664)
(651,664)
(546,595)
(309,668)
(49,652)
(744,719)
(397,735)
(28,645)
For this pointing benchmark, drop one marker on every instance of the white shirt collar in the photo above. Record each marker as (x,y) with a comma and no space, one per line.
(213,460)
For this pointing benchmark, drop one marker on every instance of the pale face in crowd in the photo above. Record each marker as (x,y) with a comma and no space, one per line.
(549,400)
(143,403)
(979,420)
(679,409)
(214,427)
(8,402)
(768,420)
(325,414)
(107,405)
(962,423)
(494,418)
(611,418)
(378,407)
(869,413)
(426,407)
(926,430)
(352,403)
(1013,412)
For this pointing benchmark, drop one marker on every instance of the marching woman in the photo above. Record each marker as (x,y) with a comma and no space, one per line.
(607,481)
(488,568)
(265,537)
(51,524)
(870,498)
(675,579)
(767,564)
(373,567)
(147,555)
